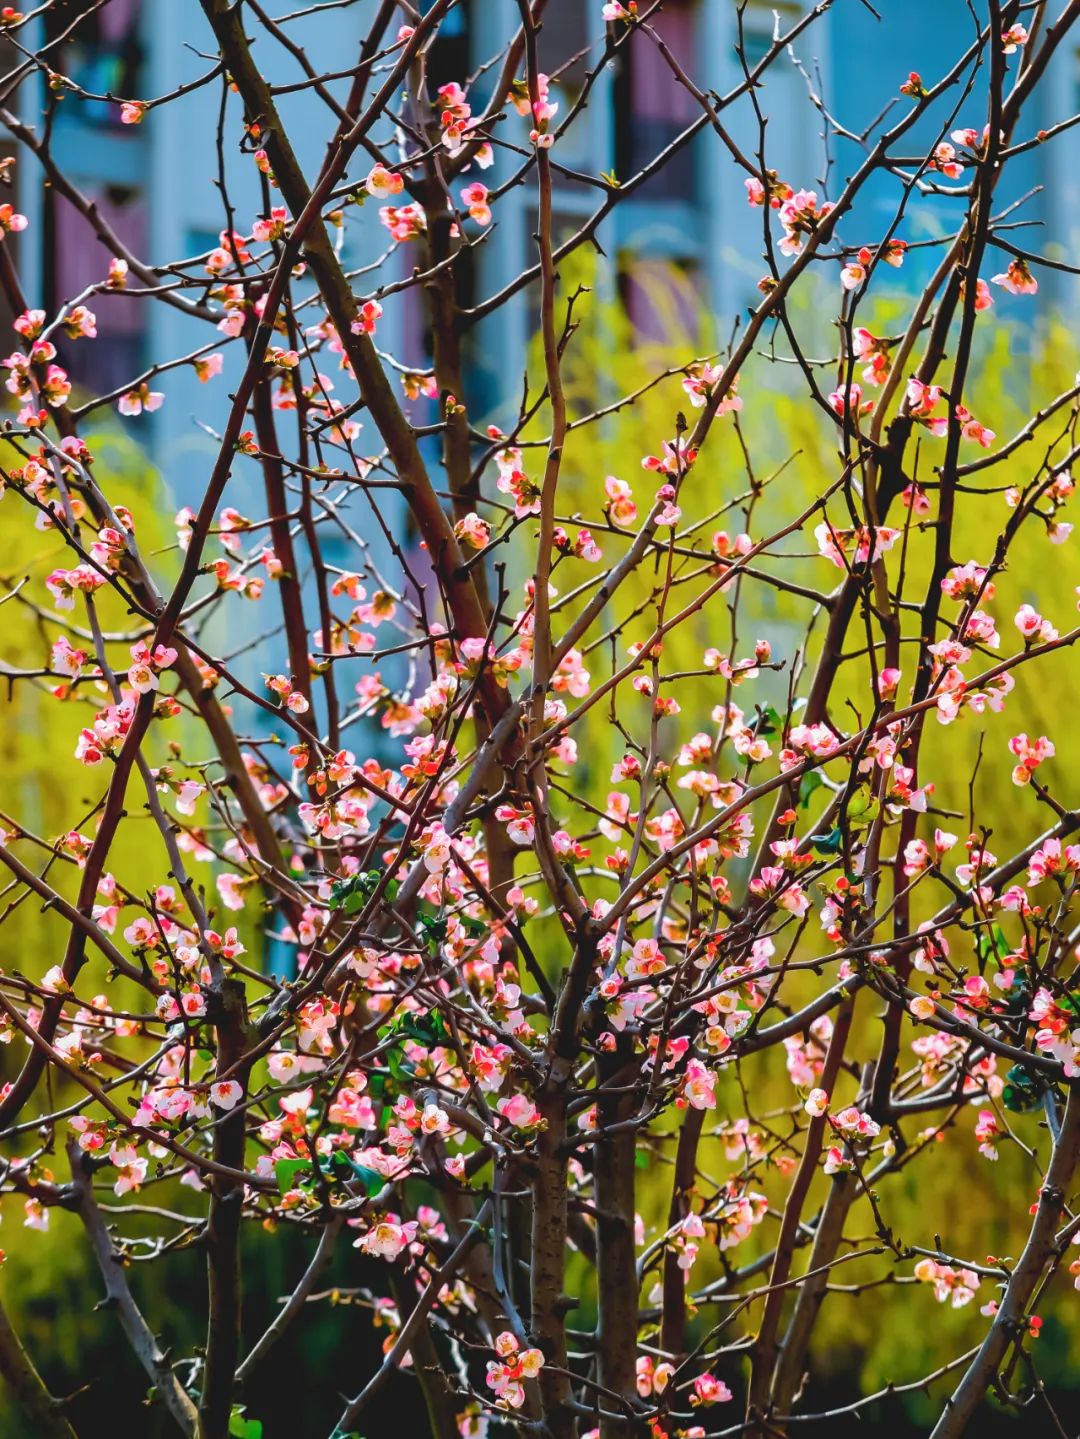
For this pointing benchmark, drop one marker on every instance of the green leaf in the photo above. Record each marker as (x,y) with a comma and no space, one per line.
(1023,1091)
(398,1065)
(827,844)
(991,944)
(286,1170)
(769,721)
(862,806)
(371,1179)
(434,928)
(353,893)
(241,1427)
(808,784)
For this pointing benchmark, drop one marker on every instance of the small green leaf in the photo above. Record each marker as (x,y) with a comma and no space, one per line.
(769,721)
(1023,1091)
(353,893)
(286,1170)
(862,805)
(398,1065)
(241,1427)
(809,783)
(434,928)
(372,1180)
(827,844)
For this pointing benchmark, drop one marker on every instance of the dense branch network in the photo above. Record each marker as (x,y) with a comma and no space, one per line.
(569,873)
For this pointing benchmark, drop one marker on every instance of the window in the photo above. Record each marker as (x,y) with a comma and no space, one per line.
(564,52)
(761,20)
(103,55)
(652,108)
(790,139)
(448,57)
(75,259)
(756,45)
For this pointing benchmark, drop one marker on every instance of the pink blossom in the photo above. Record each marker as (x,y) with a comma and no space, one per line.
(138,400)
(383,183)
(475,199)
(519,1111)
(1017,279)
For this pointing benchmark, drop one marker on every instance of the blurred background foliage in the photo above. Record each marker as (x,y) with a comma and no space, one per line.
(894,1333)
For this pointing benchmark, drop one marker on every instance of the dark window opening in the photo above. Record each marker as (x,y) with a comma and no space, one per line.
(448,57)
(652,109)
(103,54)
(75,259)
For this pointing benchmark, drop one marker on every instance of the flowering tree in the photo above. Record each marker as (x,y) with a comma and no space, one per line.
(517,1056)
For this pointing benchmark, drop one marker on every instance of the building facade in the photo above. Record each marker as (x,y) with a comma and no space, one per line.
(152,183)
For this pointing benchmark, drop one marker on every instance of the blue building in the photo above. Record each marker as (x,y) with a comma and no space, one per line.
(155,183)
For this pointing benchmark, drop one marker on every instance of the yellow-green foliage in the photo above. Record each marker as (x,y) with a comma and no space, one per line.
(44,789)
(898,1332)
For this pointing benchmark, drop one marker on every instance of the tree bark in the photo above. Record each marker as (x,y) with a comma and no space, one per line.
(43,1413)
(1040,1248)
(223,1273)
(613,1157)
